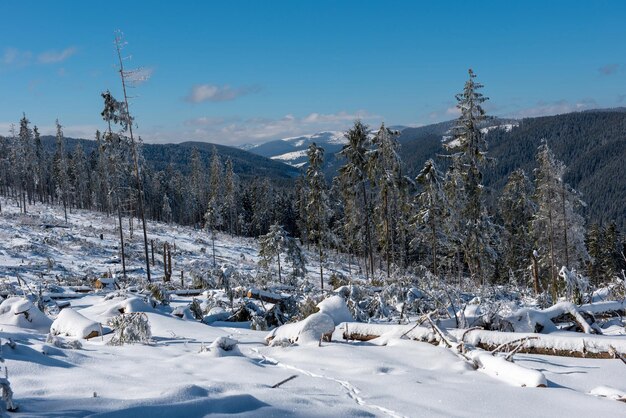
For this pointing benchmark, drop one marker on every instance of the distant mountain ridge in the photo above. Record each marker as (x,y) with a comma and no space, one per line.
(591,143)
(159,156)
(292,150)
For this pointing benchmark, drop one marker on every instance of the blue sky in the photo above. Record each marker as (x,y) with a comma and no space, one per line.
(242,71)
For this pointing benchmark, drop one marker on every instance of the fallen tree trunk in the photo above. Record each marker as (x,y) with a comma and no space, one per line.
(265,296)
(565,344)
(544,320)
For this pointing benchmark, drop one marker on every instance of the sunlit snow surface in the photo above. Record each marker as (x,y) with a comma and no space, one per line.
(173,378)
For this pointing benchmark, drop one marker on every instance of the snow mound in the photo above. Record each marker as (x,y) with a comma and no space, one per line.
(110,308)
(310,330)
(335,307)
(72,324)
(224,346)
(216,314)
(183,312)
(609,392)
(22,313)
(507,371)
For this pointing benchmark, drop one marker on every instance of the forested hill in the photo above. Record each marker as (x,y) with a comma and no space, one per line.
(592,144)
(159,156)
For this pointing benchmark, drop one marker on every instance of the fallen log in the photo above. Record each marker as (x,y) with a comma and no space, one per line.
(265,296)
(543,320)
(563,344)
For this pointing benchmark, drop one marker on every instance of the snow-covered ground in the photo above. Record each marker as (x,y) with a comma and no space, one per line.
(180,373)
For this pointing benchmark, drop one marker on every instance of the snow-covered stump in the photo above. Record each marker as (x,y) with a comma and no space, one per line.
(70,323)
(222,347)
(335,306)
(609,393)
(315,328)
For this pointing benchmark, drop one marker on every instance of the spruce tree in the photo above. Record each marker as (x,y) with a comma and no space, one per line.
(317,209)
(385,173)
(476,231)
(230,195)
(516,211)
(60,171)
(276,242)
(432,213)
(356,190)
(557,229)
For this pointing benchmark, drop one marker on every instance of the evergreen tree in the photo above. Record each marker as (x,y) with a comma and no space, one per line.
(317,209)
(476,231)
(25,160)
(385,173)
(80,170)
(356,191)
(595,247)
(277,242)
(40,165)
(432,213)
(197,186)
(516,210)
(557,229)
(230,195)
(166,211)
(60,171)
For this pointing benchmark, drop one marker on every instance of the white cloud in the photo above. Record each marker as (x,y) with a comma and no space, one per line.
(53,56)
(15,57)
(213,93)
(236,131)
(72,131)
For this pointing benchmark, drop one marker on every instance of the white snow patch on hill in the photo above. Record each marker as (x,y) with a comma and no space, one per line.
(174,376)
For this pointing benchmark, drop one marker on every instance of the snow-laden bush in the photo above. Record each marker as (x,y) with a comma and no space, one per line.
(158,293)
(130,328)
(7,392)
(575,284)
(59,342)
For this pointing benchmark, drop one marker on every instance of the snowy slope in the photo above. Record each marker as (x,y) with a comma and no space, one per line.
(180,373)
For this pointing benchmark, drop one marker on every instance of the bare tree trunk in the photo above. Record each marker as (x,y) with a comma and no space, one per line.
(135,158)
(119,217)
(213,243)
(434,245)
(565,225)
(280,280)
(535,274)
(321,267)
(552,261)
(367,230)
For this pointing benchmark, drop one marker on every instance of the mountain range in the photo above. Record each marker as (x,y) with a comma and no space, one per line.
(592,144)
